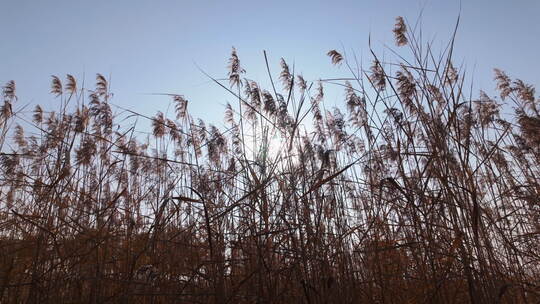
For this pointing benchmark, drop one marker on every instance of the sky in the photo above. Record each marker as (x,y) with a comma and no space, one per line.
(157,46)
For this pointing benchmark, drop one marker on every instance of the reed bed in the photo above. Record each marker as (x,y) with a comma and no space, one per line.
(416,190)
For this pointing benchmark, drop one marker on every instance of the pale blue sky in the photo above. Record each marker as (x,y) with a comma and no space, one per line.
(152,46)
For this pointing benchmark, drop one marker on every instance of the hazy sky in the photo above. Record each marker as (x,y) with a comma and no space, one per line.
(154,46)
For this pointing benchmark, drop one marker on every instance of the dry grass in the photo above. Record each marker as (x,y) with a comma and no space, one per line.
(413,194)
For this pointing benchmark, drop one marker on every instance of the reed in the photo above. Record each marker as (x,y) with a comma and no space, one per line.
(412,192)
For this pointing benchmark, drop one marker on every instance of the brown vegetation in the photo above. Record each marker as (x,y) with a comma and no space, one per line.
(415,193)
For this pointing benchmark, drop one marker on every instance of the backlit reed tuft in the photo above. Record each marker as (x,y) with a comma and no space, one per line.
(400,31)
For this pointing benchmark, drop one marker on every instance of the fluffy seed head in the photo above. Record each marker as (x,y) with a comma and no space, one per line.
(400,30)
(234,69)
(71,84)
(377,77)
(503,83)
(335,56)
(56,86)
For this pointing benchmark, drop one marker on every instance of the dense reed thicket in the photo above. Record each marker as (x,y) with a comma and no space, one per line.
(412,192)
